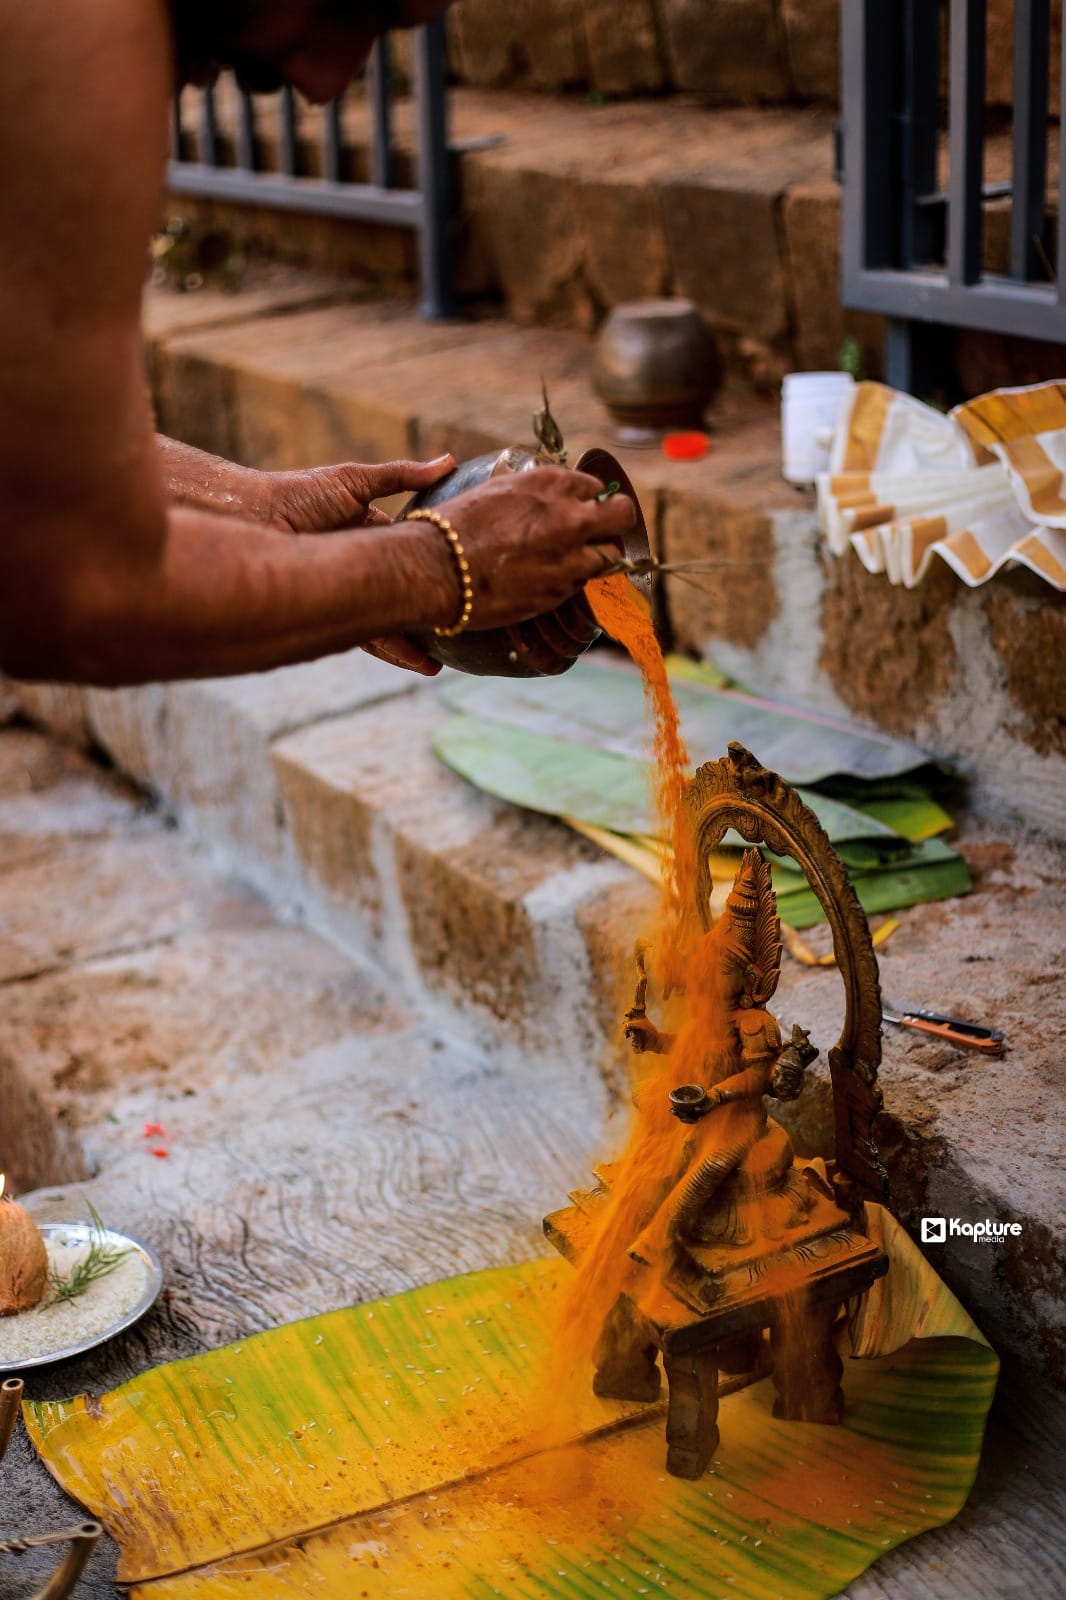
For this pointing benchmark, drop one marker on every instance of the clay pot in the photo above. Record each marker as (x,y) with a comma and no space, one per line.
(656,365)
(543,646)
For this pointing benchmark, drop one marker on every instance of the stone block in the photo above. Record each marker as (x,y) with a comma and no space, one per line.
(220,774)
(610,924)
(59,707)
(203,1011)
(462,899)
(193,398)
(265,289)
(342,783)
(812,43)
(999,63)
(90,899)
(726,251)
(493,44)
(367,255)
(322,385)
(626,254)
(1029,637)
(897,666)
(131,725)
(727,51)
(812,246)
(957,669)
(622,47)
(34,1148)
(529,230)
(735,604)
(50,793)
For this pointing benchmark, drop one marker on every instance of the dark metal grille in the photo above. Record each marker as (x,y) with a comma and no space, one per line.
(914,246)
(423,207)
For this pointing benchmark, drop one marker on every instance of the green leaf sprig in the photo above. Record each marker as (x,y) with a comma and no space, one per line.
(100,1262)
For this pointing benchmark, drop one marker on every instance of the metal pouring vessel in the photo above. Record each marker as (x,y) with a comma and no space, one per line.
(549,644)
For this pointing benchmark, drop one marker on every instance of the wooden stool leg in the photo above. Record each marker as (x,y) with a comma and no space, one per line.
(626,1358)
(807,1369)
(692,1416)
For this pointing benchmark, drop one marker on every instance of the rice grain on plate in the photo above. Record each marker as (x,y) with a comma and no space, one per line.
(60,1324)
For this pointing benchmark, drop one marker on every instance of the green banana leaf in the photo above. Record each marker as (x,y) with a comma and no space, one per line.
(905,806)
(548,775)
(889,890)
(611,790)
(681,670)
(389,1450)
(603,706)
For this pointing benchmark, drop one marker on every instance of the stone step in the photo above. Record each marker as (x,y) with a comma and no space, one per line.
(510,939)
(978,676)
(566,208)
(725,51)
(317,783)
(323,1145)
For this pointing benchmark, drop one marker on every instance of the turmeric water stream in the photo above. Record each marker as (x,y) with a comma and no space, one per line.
(648,1167)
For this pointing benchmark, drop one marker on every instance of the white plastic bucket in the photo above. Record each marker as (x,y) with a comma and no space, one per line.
(811,404)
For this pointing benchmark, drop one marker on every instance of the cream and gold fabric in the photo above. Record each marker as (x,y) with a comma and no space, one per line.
(981,489)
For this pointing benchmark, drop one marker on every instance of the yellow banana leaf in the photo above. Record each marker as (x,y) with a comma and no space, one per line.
(382,1451)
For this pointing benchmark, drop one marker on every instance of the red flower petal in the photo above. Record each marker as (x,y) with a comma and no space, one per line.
(685,446)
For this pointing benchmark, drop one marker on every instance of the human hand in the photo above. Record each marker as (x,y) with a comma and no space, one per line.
(533,539)
(325,499)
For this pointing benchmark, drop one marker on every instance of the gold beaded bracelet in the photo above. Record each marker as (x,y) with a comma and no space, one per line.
(461,564)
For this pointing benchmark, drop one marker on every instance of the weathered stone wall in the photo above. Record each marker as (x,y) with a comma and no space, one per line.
(736,52)
(976,675)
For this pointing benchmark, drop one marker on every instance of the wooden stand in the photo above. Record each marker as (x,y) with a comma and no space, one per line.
(698,1347)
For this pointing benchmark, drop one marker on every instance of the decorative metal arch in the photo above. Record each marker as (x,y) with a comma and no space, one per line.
(737,792)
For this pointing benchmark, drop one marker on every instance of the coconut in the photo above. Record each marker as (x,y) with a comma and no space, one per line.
(23,1261)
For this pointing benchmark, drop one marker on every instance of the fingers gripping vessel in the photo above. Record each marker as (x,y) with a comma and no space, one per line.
(741,1255)
(550,644)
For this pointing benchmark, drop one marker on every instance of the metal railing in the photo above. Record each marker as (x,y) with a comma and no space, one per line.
(424,207)
(912,248)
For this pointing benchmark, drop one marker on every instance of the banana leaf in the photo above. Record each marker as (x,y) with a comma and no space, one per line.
(906,807)
(387,1450)
(549,775)
(929,876)
(603,706)
(889,890)
(604,787)
(681,670)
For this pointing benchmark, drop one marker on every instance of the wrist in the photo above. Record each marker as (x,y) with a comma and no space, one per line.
(462,569)
(424,571)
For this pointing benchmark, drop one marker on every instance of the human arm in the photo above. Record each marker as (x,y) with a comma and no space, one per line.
(101,580)
(310,500)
